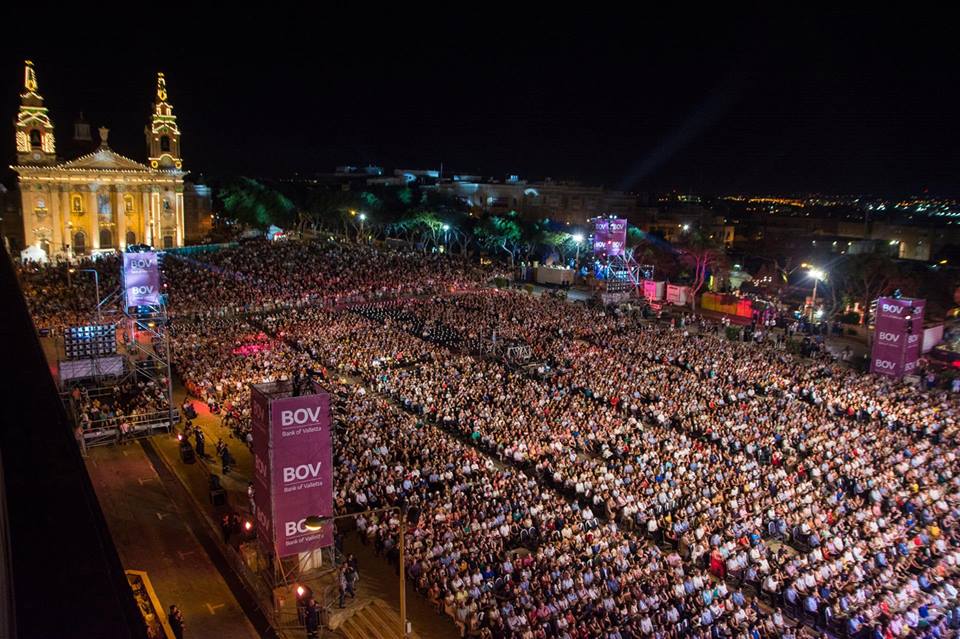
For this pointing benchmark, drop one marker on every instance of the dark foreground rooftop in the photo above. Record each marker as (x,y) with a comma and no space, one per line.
(60,575)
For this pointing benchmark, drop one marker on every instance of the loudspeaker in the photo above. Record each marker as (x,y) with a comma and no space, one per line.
(187,455)
(218,497)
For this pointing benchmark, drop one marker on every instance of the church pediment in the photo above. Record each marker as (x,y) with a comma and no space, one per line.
(104,159)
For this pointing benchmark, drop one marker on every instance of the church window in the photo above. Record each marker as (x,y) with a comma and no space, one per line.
(79,242)
(76,204)
(128,204)
(165,144)
(35,140)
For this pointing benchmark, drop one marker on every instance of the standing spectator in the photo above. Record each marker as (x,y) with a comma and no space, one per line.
(175,617)
(343,583)
(199,438)
(312,619)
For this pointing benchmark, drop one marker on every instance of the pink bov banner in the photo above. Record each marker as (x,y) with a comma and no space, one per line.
(601,231)
(653,290)
(616,237)
(262,489)
(914,345)
(609,236)
(141,279)
(293,468)
(302,472)
(897,340)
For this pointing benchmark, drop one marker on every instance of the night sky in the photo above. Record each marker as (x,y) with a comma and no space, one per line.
(714,104)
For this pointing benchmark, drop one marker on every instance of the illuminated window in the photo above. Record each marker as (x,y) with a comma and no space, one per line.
(165,144)
(128,204)
(76,204)
(35,140)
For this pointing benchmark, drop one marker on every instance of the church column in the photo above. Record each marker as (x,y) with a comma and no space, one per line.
(121,210)
(143,235)
(155,219)
(93,223)
(143,216)
(179,217)
(66,217)
(52,197)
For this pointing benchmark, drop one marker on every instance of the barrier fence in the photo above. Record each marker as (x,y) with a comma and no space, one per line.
(108,430)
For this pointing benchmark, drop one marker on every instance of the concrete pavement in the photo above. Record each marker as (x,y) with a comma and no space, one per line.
(153,532)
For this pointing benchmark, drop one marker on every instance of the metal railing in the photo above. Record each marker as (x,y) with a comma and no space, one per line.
(107,431)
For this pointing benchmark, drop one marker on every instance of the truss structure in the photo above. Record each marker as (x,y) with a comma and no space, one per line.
(622,273)
(142,357)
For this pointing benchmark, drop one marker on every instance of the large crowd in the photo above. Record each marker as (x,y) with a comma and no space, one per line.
(641,479)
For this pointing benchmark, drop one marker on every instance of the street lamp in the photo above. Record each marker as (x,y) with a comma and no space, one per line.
(578,238)
(363,217)
(314,523)
(817,275)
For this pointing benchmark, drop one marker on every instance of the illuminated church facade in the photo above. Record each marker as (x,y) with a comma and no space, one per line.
(101,201)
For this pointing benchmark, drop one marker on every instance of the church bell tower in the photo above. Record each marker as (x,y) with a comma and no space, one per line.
(35,143)
(163,136)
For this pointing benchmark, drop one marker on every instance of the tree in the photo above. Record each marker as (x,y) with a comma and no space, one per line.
(501,232)
(326,208)
(421,227)
(560,242)
(865,277)
(256,205)
(461,230)
(703,255)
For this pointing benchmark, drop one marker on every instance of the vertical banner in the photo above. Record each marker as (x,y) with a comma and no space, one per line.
(141,279)
(293,468)
(914,338)
(601,230)
(262,482)
(897,340)
(616,237)
(302,471)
